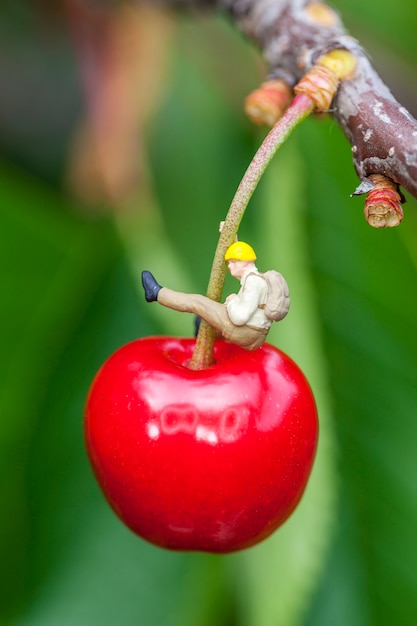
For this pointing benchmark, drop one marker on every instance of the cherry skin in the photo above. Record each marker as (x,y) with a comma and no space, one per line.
(212,460)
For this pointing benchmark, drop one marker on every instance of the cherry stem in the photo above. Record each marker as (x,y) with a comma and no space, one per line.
(299,109)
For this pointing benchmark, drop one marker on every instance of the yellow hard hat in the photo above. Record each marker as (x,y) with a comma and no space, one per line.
(240,251)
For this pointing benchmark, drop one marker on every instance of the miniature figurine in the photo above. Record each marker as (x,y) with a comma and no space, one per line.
(244,318)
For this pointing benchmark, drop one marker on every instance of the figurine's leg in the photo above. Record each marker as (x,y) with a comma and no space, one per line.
(245,337)
(214,313)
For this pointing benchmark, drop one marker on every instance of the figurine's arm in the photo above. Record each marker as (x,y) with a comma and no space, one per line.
(243,305)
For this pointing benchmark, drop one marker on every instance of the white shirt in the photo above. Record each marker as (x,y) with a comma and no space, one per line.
(244,307)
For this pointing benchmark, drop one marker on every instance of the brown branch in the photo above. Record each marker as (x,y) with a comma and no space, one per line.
(291,35)
(383,133)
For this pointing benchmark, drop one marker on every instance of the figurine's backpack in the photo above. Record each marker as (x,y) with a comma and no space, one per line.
(278,298)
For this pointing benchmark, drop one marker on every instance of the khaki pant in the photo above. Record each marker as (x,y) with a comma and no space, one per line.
(215,314)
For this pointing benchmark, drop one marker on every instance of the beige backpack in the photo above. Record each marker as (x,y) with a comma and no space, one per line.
(278,299)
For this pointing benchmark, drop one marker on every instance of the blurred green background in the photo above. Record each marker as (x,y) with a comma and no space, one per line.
(122,141)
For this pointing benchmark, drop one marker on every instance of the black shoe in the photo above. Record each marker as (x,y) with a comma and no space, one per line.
(150,286)
(197,322)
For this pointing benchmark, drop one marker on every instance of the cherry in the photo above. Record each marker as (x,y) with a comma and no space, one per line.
(212,460)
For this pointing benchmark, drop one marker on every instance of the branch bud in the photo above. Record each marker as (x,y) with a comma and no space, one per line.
(265,105)
(383,203)
(322,81)
(322,14)
(341,62)
(320,85)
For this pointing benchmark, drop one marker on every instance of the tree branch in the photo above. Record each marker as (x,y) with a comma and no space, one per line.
(292,35)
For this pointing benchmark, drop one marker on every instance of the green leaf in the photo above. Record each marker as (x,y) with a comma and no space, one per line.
(366,295)
(50,263)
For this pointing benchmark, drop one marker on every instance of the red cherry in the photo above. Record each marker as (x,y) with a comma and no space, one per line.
(212,460)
